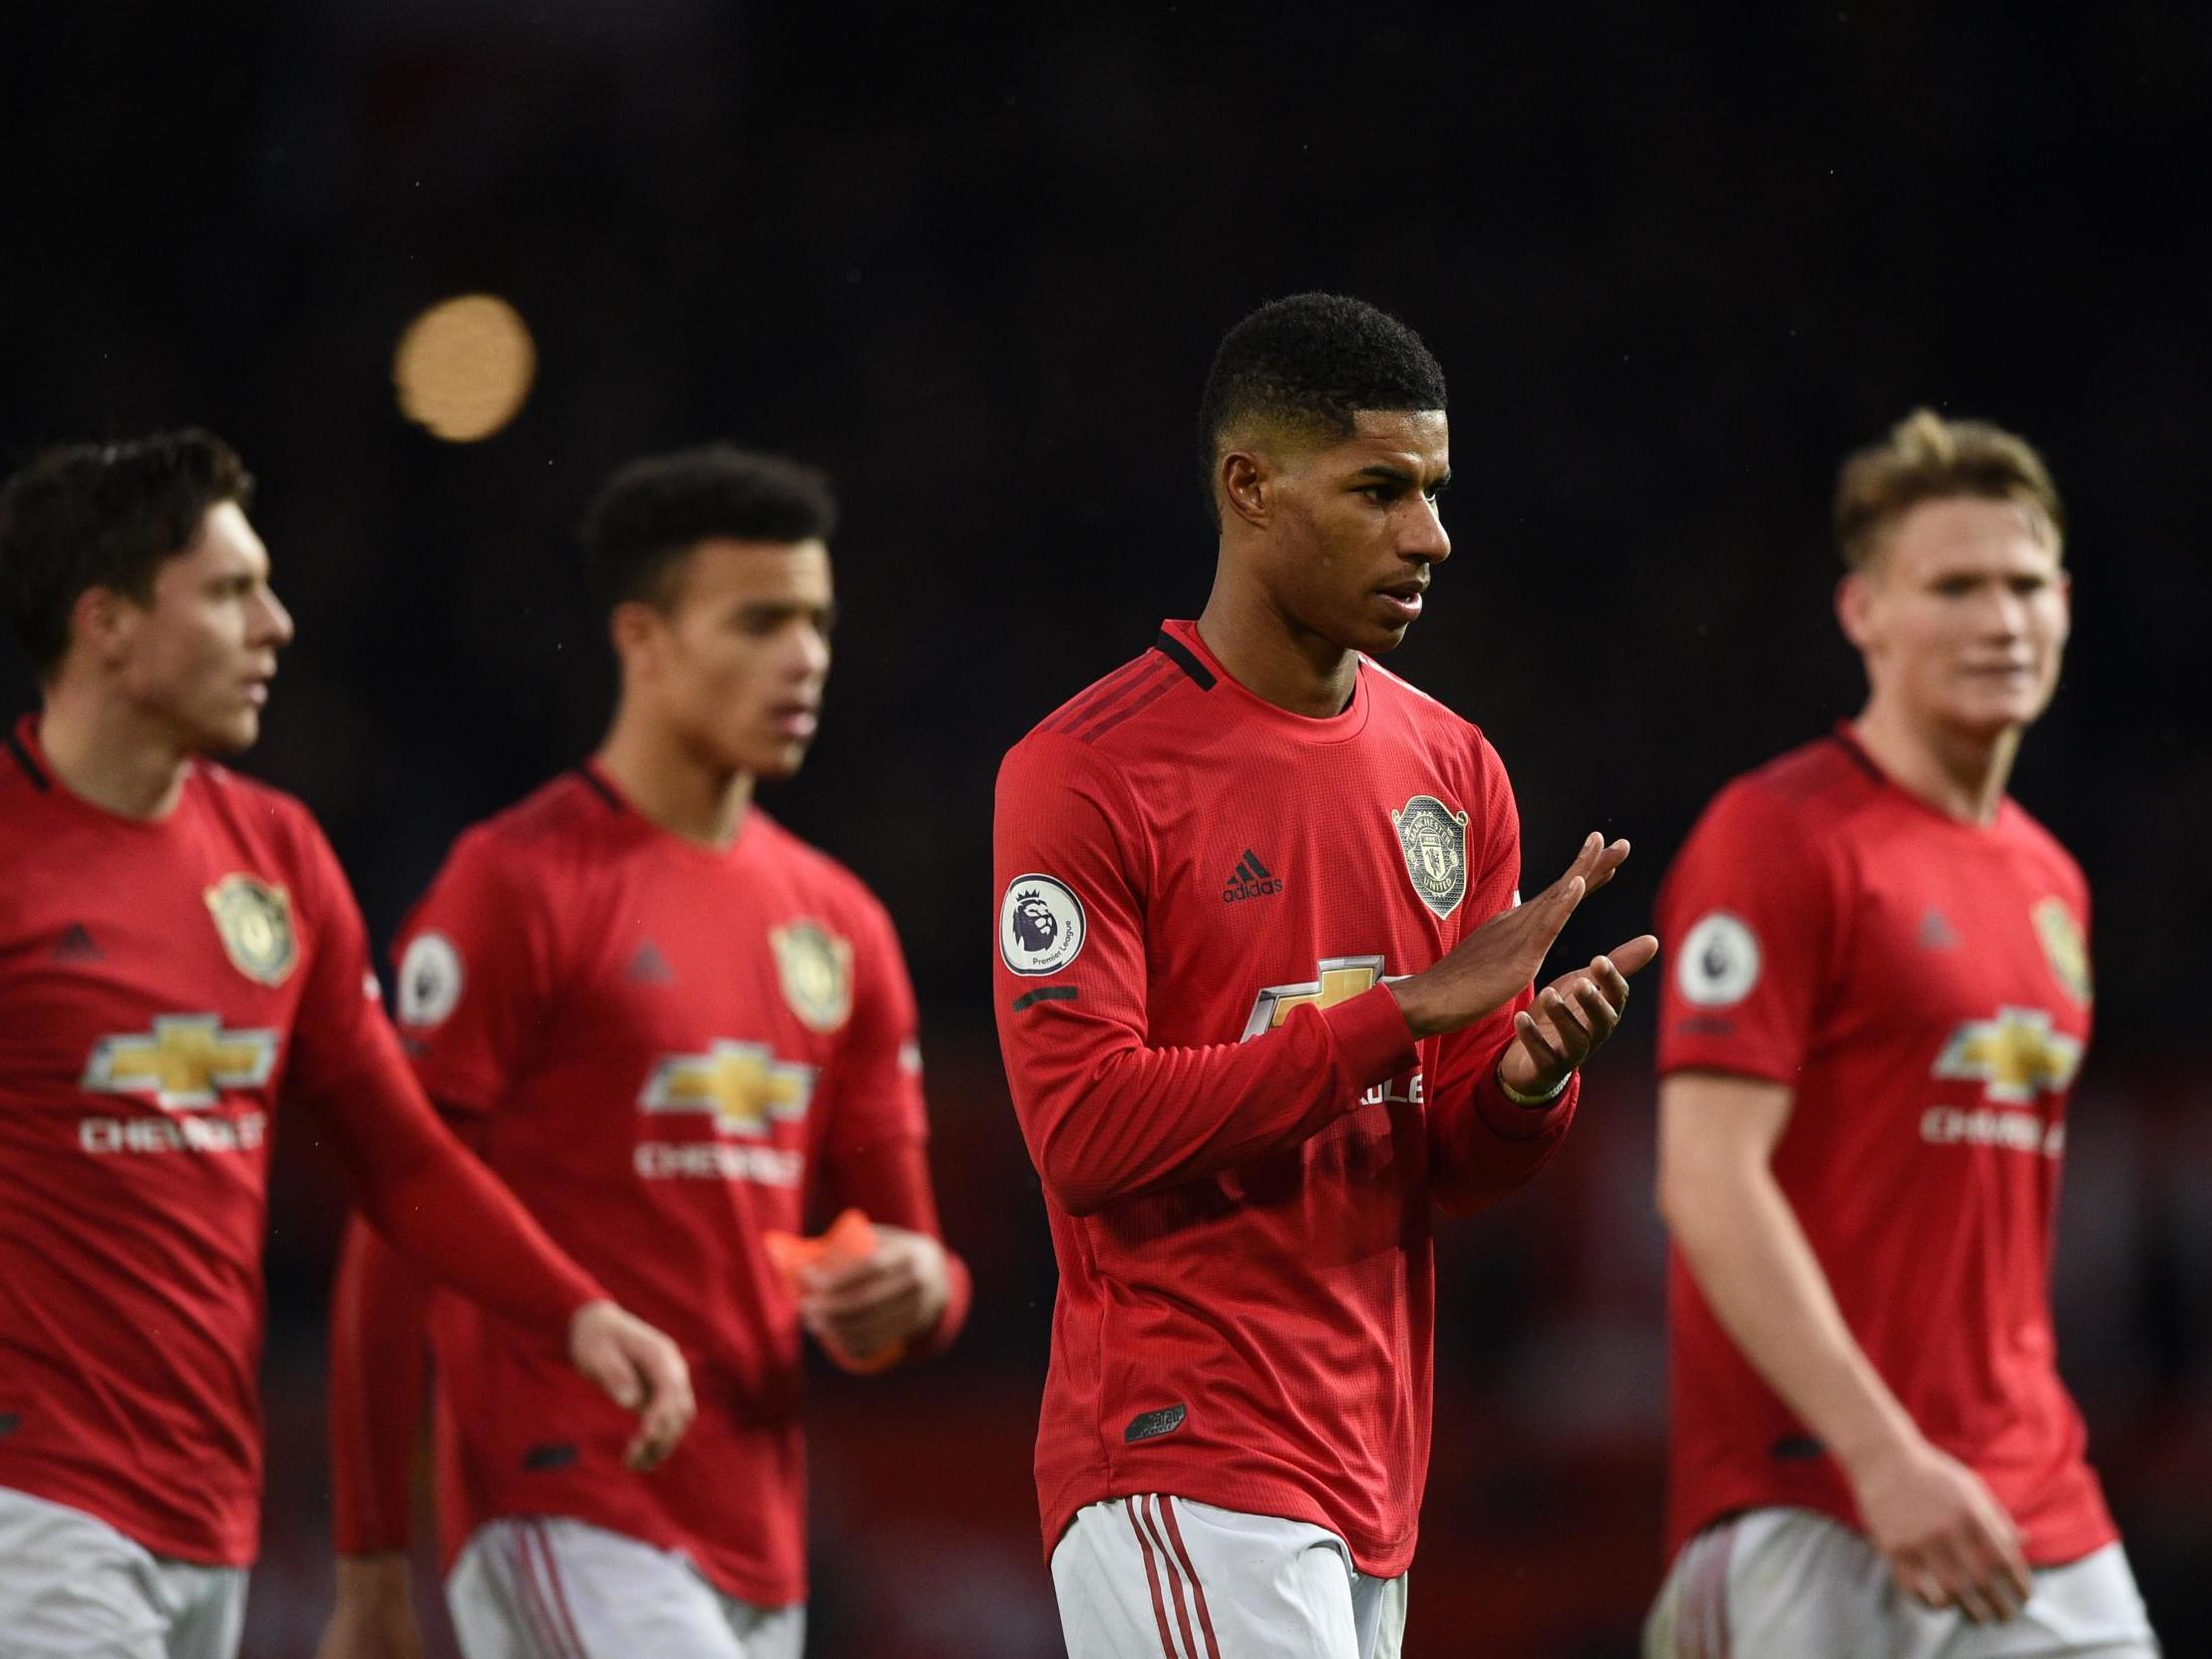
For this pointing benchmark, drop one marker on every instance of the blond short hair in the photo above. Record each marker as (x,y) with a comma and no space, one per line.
(1928,458)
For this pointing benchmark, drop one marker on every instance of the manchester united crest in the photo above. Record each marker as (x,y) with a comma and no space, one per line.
(816,967)
(2064,947)
(255,919)
(1434,840)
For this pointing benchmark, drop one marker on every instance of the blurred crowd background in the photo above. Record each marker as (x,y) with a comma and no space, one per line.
(975,262)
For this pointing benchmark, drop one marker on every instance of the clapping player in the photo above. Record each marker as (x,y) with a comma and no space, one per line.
(1264,992)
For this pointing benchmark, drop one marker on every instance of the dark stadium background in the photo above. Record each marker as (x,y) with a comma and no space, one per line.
(976,264)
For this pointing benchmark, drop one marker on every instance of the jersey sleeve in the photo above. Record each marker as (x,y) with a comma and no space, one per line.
(1482,1146)
(1107,1115)
(473,965)
(875,1144)
(418,1185)
(1747,924)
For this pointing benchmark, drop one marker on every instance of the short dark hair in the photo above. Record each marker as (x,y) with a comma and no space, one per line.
(1313,360)
(654,511)
(84,516)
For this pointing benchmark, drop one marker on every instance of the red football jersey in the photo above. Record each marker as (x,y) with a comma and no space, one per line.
(160,981)
(1923,987)
(1239,1139)
(667,1045)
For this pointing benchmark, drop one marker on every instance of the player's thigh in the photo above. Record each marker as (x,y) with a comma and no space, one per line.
(1774,1584)
(208,1619)
(2087,1609)
(73,1587)
(1159,1577)
(528,1587)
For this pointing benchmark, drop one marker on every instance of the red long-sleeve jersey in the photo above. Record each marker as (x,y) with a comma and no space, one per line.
(667,1050)
(1201,894)
(161,984)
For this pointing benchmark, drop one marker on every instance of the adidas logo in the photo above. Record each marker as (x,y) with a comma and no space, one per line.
(1937,933)
(78,944)
(649,967)
(1249,880)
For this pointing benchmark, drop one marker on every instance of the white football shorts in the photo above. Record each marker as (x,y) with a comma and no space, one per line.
(73,1587)
(1784,1583)
(543,1587)
(1160,1577)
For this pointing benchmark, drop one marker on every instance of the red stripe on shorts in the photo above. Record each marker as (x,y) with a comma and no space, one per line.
(1175,1575)
(1183,1553)
(559,1590)
(530,1605)
(1151,1577)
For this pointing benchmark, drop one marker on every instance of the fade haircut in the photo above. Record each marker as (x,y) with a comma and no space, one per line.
(83,516)
(1311,362)
(642,525)
(1928,458)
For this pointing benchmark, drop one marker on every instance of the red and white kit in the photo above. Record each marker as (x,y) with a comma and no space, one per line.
(160,984)
(1921,985)
(667,1050)
(1240,1140)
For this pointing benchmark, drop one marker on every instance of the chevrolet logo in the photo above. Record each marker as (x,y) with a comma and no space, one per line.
(743,1085)
(2016,1056)
(1340,980)
(184,1066)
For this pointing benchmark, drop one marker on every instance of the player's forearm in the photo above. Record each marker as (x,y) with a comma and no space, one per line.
(1111,1122)
(1758,1273)
(378,1350)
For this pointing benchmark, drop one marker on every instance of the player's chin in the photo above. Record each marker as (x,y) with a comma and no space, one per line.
(777,759)
(230,733)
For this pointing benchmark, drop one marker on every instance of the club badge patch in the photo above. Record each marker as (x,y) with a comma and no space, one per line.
(2064,948)
(1434,840)
(816,967)
(1718,963)
(1041,924)
(254,921)
(430,980)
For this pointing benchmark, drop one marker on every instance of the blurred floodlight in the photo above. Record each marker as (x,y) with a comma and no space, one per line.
(464,368)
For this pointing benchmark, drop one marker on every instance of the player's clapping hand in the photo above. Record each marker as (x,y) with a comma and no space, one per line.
(641,1370)
(375,1613)
(1490,967)
(894,1293)
(1944,1535)
(1572,1017)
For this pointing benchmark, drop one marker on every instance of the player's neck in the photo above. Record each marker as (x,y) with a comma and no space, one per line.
(670,786)
(1270,655)
(106,752)
(1961,774)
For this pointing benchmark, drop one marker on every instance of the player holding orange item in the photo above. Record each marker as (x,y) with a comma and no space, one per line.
(675,1027)
(827,1275)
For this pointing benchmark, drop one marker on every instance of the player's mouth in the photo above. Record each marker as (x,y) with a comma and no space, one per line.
(257,689)
(795,721)
(1403,598)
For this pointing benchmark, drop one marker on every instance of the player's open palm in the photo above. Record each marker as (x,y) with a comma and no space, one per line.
(1944,1535)
(641,1371)
(1494,964)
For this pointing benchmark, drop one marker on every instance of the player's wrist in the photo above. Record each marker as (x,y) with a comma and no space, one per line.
(1531,1090)
(1418,1002)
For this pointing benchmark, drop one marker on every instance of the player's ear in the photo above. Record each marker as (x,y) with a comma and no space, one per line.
(633,629)
(102,623)
(1245,481)
(1853,604)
